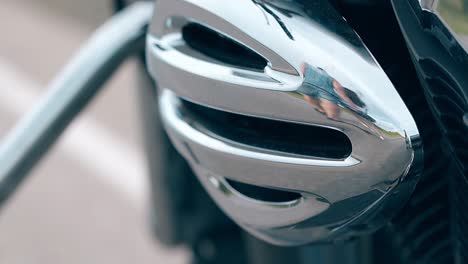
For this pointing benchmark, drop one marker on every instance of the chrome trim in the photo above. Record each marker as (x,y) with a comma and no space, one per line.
(319,73)
(453,15)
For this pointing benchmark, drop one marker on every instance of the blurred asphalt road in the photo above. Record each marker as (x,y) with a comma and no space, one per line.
(86,201)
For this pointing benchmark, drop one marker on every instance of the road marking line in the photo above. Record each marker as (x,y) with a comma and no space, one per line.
(112,159)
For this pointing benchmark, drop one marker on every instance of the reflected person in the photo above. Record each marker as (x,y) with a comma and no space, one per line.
(325,93)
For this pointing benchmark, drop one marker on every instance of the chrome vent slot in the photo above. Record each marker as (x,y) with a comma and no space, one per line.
(273,135)
(220,47)
(263,194)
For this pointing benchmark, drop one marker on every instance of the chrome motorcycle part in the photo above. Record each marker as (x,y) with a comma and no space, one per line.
(297,66)
(70,92)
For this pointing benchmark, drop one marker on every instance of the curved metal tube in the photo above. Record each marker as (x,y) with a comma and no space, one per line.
(70,92)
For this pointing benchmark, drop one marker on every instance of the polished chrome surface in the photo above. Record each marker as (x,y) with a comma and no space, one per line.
(454,16)
(70,92)
(318,73)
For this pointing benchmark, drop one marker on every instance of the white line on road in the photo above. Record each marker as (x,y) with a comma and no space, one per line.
(112,159)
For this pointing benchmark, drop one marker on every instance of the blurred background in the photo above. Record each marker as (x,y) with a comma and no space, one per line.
(86,201)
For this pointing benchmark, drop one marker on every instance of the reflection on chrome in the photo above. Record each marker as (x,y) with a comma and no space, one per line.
(327,94)
(318,73)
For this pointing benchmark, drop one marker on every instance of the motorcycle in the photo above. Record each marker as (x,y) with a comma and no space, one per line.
(286,131)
